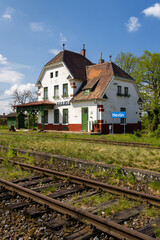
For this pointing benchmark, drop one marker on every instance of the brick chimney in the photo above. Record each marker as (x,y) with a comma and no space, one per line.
(83,51)
(101,60)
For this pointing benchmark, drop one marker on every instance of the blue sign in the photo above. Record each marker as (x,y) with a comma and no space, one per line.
(118,114)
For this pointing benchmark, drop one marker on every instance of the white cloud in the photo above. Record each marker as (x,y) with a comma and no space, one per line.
(8,14)
(62,38)
(153,11)
(5,107)
(21,87)
(37,26)
(3,60)
(54,51)
(133,24)
(8,75)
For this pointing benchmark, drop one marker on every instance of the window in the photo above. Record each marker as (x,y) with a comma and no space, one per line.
(56,73)
(65,116)
(119,90)
(123,120)
(126,91)
(45,93)
(56,116)
(87,91)
(45,116)
(56,91)
(51,75)
(65,90)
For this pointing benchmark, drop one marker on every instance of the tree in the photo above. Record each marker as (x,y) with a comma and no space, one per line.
(23,97)
(148,77)
(128,62)
(146,71)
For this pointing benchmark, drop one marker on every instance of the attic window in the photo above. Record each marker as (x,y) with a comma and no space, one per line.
(87,91)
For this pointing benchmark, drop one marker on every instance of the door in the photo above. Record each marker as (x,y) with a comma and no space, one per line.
(85,119)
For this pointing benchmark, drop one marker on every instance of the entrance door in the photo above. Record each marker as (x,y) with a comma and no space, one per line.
(85,119)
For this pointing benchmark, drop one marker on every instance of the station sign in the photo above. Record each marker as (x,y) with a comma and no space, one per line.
(118,114)
(64,103)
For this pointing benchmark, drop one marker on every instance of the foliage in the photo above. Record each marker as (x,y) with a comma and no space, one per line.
(155,186)
(4,127)
(146,71)
(138,133)
(33,121)
(128,62)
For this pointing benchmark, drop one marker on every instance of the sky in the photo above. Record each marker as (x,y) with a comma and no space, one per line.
(32,33)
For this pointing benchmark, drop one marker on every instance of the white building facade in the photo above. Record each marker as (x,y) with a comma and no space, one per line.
(85,94)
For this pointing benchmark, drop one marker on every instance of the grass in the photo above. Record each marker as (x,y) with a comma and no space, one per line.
(155,186)
(122,204)
(49,190)
(141,158)
(10,172)
(93,200)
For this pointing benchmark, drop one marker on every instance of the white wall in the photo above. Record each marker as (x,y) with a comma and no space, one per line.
(46,81)
(114,103)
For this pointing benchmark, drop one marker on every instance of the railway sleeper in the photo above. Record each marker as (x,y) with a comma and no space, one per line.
(56,224)
(124,215)
(7,196)
(83,234)
(20,205)
(38,189)
(26,179)
(35,212)
(62,193)
(36,182)
(102,206)
(149,228)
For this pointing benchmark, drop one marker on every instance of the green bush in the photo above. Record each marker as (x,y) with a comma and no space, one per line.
(138,133)
(157,132)
(4,127)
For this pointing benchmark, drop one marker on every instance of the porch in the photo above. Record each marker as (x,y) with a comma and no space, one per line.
(33,108)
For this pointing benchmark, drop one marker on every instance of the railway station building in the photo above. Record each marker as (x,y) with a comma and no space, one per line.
(75,94)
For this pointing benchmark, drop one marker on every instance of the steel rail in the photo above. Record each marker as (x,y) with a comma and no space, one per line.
(109,142)
(155,200)
(102,224)
(134,144)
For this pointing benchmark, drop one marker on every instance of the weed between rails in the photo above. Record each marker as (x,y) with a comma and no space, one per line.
(10,171)
(122,204)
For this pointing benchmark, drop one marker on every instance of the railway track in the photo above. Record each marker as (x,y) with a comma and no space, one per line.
(109,142)
(62,200)
(101,141)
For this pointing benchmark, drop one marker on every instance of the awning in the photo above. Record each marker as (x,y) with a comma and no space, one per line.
(38,106)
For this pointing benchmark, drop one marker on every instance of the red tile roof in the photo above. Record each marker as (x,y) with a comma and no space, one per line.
(75,62)
(35,103)
(104,72)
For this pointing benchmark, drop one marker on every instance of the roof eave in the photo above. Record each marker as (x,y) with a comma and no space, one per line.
(84,100)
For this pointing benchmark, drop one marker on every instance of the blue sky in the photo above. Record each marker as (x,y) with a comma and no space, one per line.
(32,32)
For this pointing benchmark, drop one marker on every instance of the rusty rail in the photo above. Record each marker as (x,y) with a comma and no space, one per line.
(155,200)
(102,224)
